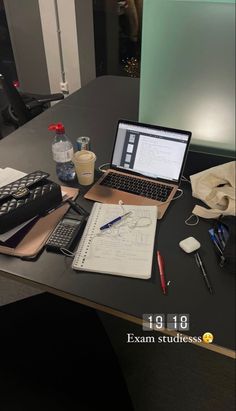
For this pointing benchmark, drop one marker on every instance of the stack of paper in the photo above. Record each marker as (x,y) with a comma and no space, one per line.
(8,175)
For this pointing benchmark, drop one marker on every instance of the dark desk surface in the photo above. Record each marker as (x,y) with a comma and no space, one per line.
(94,111)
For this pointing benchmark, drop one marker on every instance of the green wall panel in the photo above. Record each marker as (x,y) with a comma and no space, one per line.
(188,70)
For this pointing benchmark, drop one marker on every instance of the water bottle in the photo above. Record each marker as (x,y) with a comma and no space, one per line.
(62,151)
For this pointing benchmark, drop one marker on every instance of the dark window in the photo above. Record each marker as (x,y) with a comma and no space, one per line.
(7,62)
(117,36)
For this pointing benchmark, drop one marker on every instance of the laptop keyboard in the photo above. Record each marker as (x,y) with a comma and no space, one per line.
(155,191)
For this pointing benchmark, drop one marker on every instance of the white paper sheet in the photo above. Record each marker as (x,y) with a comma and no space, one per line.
(8,175)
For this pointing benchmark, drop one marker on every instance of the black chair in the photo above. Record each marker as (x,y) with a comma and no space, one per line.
(23,107)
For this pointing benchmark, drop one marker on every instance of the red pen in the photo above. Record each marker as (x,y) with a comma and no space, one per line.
(160,263)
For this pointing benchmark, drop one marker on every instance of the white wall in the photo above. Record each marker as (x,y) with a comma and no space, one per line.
(42,61)
(50,39)
(26,37)
(63,65)
(70,49)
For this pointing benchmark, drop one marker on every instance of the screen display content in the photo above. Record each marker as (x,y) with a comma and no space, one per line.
(151,152)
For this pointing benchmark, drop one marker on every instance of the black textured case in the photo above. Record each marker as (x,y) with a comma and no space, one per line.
(26,198)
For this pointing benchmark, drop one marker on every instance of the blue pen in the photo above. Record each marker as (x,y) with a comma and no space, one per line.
(116,220)
(213,239)
(221,235)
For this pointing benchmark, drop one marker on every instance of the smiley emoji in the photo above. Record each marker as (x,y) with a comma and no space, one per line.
(208,337)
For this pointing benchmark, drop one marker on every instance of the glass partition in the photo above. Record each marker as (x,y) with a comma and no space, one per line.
(188,70)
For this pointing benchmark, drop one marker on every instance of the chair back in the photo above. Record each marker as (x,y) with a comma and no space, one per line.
(15,100)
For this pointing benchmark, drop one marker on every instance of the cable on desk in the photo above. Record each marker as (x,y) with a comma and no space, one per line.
(188,220)
(183,178)
(180,195)
(100,168)
(175,198)
(67,253)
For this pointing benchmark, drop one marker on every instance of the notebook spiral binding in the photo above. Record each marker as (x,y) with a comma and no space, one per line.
(82,249)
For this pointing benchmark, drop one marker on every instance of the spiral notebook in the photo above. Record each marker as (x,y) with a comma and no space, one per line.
(125,249)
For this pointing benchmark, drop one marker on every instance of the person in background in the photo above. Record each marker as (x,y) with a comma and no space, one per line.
(131,50)
(134,11)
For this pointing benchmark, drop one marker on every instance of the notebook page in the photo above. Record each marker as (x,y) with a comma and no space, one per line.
(126,249)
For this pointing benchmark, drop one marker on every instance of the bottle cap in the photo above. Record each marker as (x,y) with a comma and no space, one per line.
(59,128)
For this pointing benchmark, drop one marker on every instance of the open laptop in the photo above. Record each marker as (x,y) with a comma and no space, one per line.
(146,166)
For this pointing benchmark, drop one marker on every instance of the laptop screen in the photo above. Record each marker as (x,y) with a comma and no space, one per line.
(151,151)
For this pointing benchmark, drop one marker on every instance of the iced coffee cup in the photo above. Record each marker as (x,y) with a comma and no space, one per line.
(84,162)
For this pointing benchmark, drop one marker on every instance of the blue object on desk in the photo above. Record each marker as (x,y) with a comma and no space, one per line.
(221,234)
(116,220)
(215,241)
